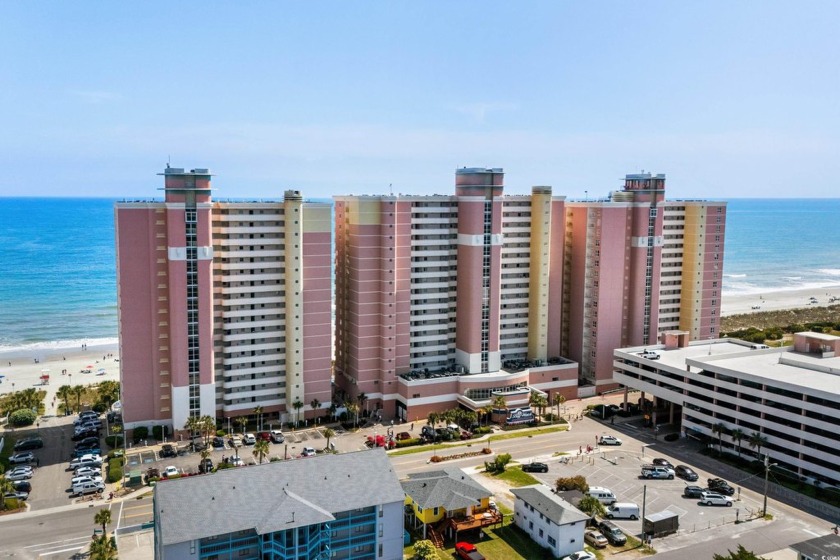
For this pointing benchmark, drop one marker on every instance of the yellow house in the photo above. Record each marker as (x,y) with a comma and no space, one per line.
(447,501)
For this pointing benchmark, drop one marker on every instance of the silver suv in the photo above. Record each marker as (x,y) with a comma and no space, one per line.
(712,499)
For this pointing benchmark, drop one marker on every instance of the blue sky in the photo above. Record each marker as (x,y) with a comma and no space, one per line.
(729,99)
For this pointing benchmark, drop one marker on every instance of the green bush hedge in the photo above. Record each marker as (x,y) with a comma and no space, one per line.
(157,432)
(407,442)
(140,433)
(115,469)
(114,441)
(22,417)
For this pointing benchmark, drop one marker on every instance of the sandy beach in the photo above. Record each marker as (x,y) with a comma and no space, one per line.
(23,369)
(776,301)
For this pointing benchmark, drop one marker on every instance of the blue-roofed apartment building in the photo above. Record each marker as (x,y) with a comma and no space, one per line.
(346,506)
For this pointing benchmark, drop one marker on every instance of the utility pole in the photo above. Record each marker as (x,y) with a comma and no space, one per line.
(766,483)
(644,503)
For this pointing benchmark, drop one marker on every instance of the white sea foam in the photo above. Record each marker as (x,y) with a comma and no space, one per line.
(50,347)
(734,275)
(744,289)
(829,271)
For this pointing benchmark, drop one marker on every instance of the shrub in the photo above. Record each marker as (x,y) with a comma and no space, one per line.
(572,483)
(114,441)
(141,432)
(157,432)
(482,430)
(425,550)
(99,407)
(22,417)
(672,437)
(407,442)
(498,464)
(115,470)
(221,433)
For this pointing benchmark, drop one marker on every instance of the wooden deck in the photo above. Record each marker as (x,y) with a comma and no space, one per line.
(477,521)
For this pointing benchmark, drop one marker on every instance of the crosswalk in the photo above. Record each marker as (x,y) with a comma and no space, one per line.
(65,548)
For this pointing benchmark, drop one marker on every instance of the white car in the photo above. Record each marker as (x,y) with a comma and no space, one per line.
(171,471)
(249,439)
(23,457)
(580,555)
(18,475)
(609,440)
(85,478)
(90,470)
(308,452)
(86,460)
(712,499)
(277,436)
(237,462)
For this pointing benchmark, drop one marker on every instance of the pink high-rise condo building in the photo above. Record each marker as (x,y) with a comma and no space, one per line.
(446,301)
(224,307)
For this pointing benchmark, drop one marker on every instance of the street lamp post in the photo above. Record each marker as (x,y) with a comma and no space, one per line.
(767,465)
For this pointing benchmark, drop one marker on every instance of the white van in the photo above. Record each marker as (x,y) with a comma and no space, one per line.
(623,511)
(604,495)
(88,488)
(758,347)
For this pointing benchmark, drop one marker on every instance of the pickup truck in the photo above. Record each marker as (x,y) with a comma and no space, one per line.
(468,551)
(653,471)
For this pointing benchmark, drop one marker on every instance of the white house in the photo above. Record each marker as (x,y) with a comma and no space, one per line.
(551,521)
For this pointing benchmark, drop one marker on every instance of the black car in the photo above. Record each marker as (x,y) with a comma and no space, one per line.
(29,443)
(720,486)
(535,467)
(88,443)
(22,486)
(218,442)
(659,462)
(693,491)
(205,466)
(686,473)
(84,435)
(168,450)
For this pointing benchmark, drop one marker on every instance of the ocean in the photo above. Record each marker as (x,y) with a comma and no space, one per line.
(58,277)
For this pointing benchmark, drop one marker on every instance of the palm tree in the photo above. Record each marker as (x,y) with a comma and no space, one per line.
(242,421)
(487,410)
(64,393)
(757,440)
(333,409)
(297,405)
(78,391)
(719,429)
(204,454)
(102,548)
(558,400)
(362,398)
(592,506)
(260,450)
(329,433)
(353,409)
(433,419)
(258,410)
(207,427)
(108,392)
(315,404)
(499,403)
(539,402)
(103,517)
(6,485)
(737,435)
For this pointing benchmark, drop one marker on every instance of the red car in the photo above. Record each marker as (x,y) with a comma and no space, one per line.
(264,436)
(468,551)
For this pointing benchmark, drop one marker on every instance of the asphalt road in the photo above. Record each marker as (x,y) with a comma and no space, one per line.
(53,535)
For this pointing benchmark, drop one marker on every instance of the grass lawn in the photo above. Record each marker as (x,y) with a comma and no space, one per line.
(514,476)
(529,433)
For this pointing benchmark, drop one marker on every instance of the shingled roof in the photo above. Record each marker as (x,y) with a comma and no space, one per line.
(449,488)
(556,509)
(273,496)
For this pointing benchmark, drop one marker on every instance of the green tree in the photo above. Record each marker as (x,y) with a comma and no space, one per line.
(22,417)
(737,435)
(362,399)
(315,404)
(192,425)
(102,548)
(64,393)
(6,485)
(242,422)
(78,391)
(499,403)
(204,454)
(592,506)
(258,410)
(329,433)
(558,400)
(108,392)
(499,464)
(740,553)
(260,450)
(207,427)
(572,483)
(487,411)
(425,550)
(539,402)
(297,405)
(433,419)
(353,410)
(719,429)
(333,409)
(757,440)
(103,517)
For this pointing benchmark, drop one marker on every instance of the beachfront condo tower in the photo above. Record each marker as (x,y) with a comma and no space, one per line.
(456,300)
(224,307)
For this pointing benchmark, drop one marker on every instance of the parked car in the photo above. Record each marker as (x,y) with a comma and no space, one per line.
(649,355)
(85,478)
(29,443)
(612,532)
(87,488)
(87,451)
(22,486)
(88,442)
(79,436)
(277,436)
(168,450)
(609,440)
(594,538)
(170,471)
(16,495)
(218,442)
(308,452)
(249,439)
(86,460)
(402,436)
(535,467)
(580,555)
(653,471)
(235,441)
(265,436)
(237,462)
(16,474)
(686,473)
(467,551)
(720,486)
(25,457)
(693,491)
(205,466)
(87,471)
(660,462)
(713,499)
